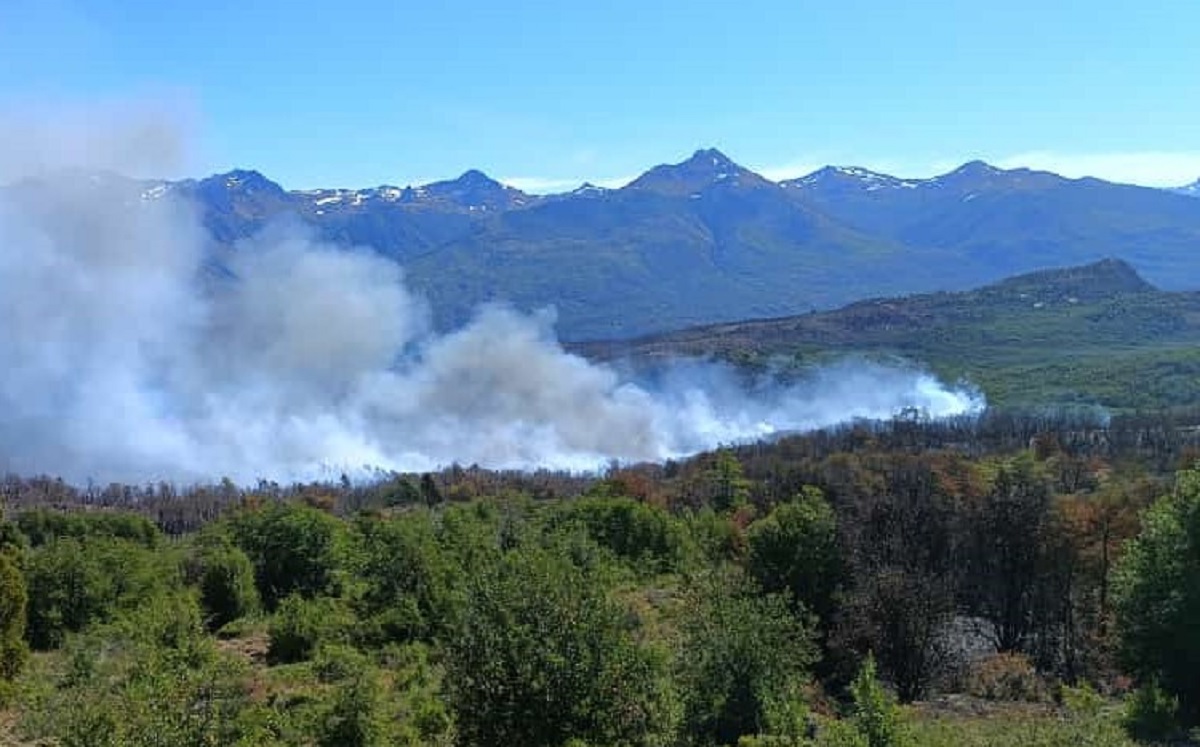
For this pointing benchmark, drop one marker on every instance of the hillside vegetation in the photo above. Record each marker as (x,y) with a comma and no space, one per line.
(996,582)
(1097,334)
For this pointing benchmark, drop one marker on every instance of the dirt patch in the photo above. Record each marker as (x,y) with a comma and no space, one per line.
(252,647)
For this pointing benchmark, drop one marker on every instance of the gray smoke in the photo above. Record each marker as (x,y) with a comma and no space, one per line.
(127,359)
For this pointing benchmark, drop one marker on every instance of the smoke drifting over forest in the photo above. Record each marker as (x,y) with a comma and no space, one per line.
(128,357)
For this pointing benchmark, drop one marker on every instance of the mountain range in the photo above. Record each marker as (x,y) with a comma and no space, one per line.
(707,240)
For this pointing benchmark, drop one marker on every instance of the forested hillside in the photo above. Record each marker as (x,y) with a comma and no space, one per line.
(995,581)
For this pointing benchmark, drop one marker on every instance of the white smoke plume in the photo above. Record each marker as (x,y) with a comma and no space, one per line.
(125,360)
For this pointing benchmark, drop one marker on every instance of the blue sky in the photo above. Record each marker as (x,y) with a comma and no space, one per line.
(545,94)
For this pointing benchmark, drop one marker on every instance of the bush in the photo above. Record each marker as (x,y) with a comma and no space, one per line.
(171,621)
(224,576)
(876,715)
(295,550)
(355,715)
(12,540)
(422,717)
(408,579)
(795,549)
(73,584)
(1006,677)
(300,625)
(743,663)
(542,655)
(151,678)
(41,525)
(840,734)
(646,538)
(335,662)
(13,601)
(1151,714)
(718,539)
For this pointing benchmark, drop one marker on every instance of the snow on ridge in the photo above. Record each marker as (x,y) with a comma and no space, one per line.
(156,192)
(587,189)
(870,180)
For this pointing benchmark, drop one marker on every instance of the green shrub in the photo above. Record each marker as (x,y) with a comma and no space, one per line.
(716,538)
(13,602)
(422,717)
(295,549)
(171,621)
(224,577)
(41,525)
(148,679)
(12,540)
(795,549)
(743,663)
(841,734)
(541,655)
(1151,714)
(355,716)
(876,715)
(300,625)
(335,662)
(408,581)
(73,583)
(645,537)
(1157,599)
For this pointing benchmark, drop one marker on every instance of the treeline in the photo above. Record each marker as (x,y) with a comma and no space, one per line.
(778,594)
(1158,443)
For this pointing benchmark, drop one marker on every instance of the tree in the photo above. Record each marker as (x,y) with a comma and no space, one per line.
(42,525)
(901,551)
(1095,528)
(429,490)
(543,656)
(1006,555)
(400,491)
(722,484)
(1157,596)
(901,615)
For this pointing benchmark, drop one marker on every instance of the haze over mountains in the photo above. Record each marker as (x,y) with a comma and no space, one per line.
(138,352)
(707,240)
